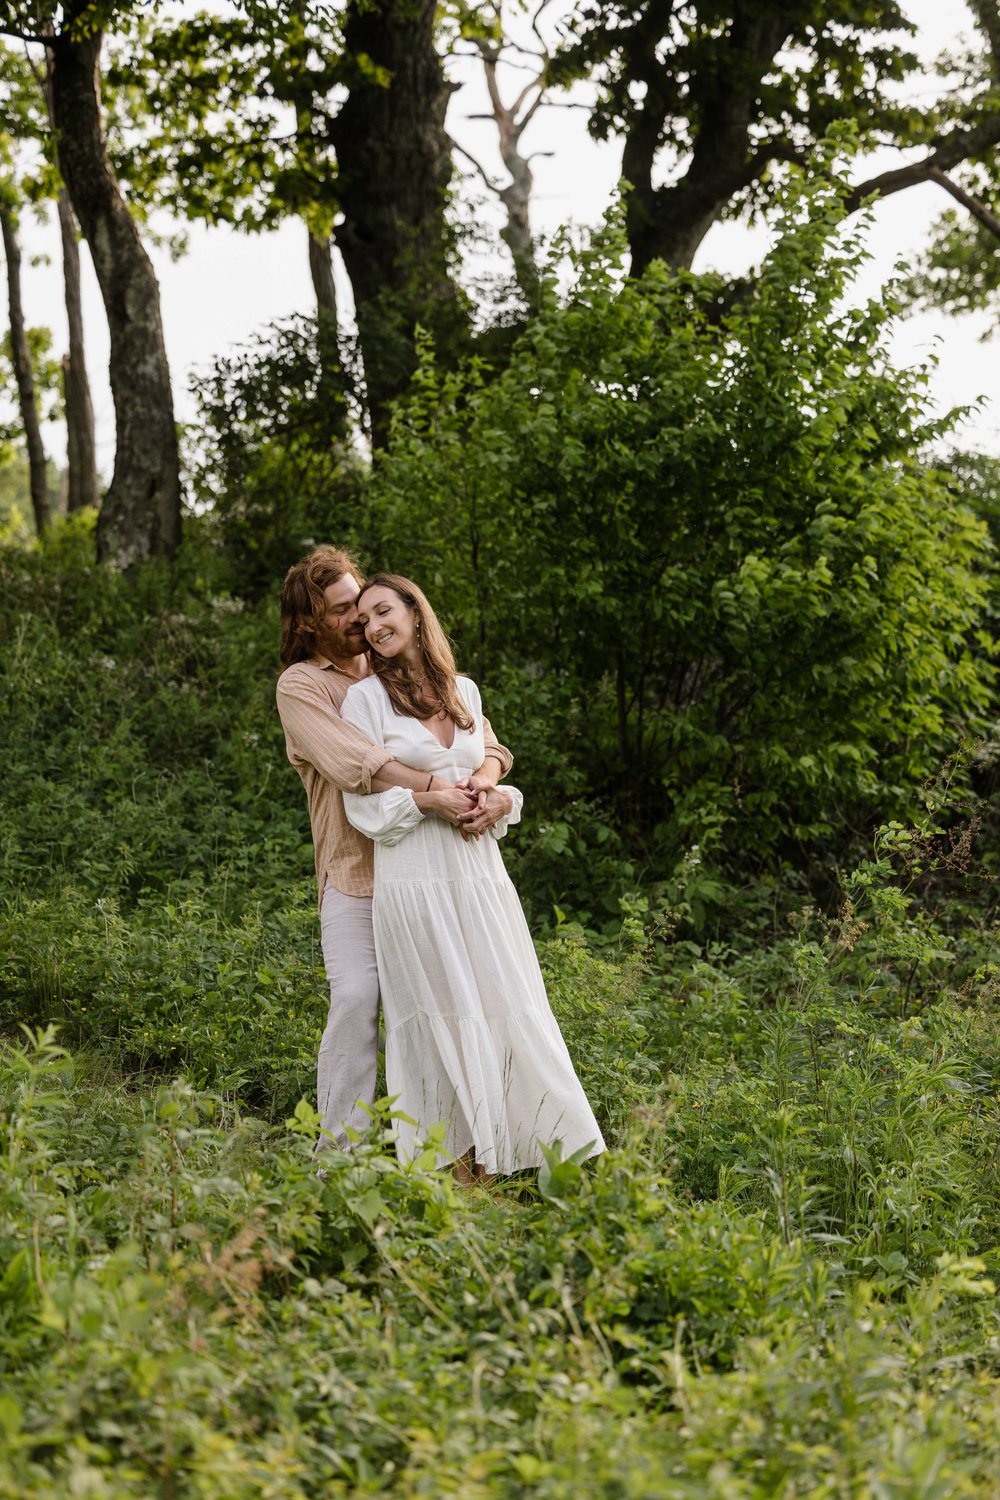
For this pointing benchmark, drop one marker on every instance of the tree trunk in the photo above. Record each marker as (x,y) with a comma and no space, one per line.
(393,169)
(321,271)
(669,223)
(81,447)
(332,387)
(21,357)
(516,196)
(294,83)
(516,199)
(141,513)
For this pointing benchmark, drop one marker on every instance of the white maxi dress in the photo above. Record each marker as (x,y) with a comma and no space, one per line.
(470,1039)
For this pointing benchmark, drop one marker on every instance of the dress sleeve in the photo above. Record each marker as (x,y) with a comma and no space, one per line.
(383,817)
(514,816)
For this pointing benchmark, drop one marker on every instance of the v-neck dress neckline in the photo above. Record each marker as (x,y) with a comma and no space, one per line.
(454,731)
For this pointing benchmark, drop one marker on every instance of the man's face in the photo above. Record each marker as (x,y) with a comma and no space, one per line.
(339,635)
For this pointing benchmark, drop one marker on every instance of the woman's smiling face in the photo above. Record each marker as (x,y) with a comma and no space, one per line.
(390,625)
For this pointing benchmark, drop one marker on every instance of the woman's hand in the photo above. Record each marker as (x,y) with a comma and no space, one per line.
(449,805)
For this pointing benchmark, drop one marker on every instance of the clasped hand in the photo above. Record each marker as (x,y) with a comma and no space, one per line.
(487,804)
(473,806)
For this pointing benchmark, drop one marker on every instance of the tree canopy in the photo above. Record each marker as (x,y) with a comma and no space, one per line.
(334,114)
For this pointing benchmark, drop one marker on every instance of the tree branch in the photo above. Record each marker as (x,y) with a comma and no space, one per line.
(478,166)
(532,108)
(975,206)
(503,48)
(38,73)
(533,83)
(951,151)
(489,55)
(765,152)
(535,28)
(8,29)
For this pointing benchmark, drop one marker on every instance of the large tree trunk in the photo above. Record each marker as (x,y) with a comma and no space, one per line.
(393,169)
(141,513)
(81,447)
(24,375)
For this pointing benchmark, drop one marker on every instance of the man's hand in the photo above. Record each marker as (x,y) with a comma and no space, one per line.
(492,803)
(486,778)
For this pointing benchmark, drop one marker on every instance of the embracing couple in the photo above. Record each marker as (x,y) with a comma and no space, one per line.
(401,771)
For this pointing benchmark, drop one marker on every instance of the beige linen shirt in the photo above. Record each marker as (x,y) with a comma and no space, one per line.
(333,757)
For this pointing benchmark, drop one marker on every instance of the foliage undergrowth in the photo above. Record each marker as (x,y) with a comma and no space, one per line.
(188,1308)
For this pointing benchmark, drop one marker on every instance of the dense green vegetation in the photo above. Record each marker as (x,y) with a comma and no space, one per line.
(778,1281)
(737,627)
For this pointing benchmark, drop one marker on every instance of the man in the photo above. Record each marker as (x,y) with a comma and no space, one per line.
(323,651)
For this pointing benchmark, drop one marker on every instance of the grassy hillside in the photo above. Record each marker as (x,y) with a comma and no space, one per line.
(777,1282)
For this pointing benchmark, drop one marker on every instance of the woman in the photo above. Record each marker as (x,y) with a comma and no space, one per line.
(470,1038)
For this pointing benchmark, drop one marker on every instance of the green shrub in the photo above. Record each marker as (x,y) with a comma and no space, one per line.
(706,580)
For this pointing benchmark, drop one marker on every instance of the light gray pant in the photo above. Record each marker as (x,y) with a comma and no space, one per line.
(348,1053)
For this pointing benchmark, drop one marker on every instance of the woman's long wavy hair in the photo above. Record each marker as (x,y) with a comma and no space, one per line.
(406,688)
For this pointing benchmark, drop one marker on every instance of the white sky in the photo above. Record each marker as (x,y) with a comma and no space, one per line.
(229,285)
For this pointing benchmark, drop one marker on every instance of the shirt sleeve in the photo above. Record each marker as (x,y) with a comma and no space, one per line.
(384,817)
(491,745)
(316,733)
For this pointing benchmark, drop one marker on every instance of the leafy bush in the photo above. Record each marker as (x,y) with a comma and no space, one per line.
(707,580)
(271,460)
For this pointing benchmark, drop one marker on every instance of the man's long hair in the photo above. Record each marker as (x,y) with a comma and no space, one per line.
(303,604)
(437,664)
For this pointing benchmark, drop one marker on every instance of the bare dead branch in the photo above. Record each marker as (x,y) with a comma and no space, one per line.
(532,110)
(489,54)
(533,83)
(536,18)
(493,186)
